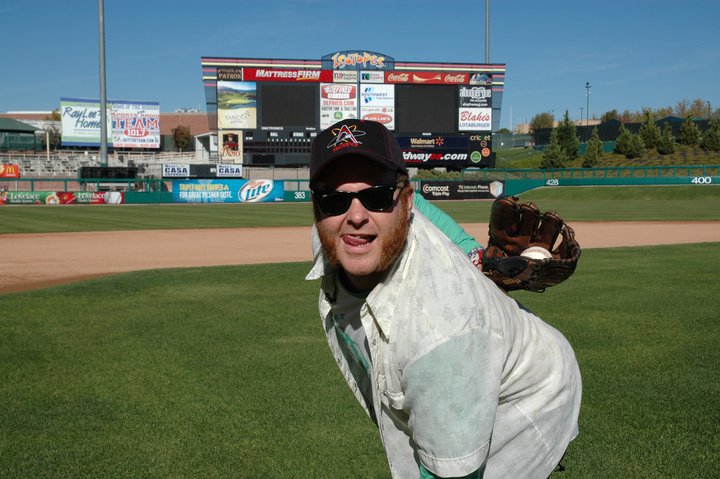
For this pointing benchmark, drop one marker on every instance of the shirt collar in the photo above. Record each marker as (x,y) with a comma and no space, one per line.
(383,299)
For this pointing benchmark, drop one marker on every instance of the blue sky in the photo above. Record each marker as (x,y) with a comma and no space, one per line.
(634,53)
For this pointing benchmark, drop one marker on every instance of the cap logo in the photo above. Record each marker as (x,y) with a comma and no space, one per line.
(345,136)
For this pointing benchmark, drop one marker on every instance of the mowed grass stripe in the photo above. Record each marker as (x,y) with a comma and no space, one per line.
(677,203)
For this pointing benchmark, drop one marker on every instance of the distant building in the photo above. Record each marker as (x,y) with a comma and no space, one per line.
(196,120)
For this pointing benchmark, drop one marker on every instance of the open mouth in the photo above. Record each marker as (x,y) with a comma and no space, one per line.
(358,240)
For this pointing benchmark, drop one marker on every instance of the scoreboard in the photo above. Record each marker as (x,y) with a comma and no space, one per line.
(267,111)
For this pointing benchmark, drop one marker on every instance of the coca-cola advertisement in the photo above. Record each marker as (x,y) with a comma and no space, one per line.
(427,78)
(474,119)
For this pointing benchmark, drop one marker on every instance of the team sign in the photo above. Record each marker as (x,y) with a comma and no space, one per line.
(287,75)
(355,59)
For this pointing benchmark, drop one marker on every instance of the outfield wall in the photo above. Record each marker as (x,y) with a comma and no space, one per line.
(473,184)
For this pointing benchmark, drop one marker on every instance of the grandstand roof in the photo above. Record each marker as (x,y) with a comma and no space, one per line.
(10,125)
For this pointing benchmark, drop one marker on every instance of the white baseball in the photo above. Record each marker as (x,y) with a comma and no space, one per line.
(536,252)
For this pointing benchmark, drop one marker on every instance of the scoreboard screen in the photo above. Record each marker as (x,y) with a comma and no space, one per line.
(426,108)
(283,105)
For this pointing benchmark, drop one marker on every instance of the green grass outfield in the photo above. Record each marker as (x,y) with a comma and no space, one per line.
(224,371)
(574,203)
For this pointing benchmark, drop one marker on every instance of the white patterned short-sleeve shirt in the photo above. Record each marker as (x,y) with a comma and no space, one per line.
(462,376)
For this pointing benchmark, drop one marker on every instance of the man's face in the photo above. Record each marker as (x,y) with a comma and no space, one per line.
(364,243)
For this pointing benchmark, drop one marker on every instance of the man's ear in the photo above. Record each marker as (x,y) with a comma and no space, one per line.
(409,199)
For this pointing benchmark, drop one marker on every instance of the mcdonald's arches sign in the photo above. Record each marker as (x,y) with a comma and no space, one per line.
(10,171)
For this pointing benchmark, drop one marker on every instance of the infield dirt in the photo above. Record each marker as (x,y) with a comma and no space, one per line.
(31,261)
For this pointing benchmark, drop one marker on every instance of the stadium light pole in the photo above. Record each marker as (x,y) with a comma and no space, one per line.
(103,99)
(487,31)
(587,107)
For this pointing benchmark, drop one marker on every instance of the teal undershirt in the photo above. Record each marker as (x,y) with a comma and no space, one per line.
(425,474)
(446,224)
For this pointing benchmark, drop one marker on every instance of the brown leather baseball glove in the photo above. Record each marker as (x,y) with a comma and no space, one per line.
(515,227)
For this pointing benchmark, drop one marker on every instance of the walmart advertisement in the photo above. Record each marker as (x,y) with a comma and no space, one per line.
(227,191)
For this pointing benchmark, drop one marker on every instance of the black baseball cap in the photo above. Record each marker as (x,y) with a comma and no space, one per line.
(351,137)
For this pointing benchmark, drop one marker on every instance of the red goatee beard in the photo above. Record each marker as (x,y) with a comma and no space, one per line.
(392,246)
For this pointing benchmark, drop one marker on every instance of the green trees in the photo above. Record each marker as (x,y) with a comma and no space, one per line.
(689,133)
(554,156)
(649,131)
(594,151)
(666,144)
(542,120)
(567,138)
(182,136)
(632,146)
(52,137)
(623,141)
(711,138)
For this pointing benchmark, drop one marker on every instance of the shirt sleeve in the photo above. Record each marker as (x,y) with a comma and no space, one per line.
(451,398)
(446,224)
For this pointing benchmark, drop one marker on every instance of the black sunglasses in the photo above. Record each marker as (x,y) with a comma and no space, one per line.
(375,198)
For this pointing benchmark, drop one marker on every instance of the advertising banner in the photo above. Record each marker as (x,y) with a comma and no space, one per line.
(474,119)
(9,171)
(475,96)
(232,146)
(287,75)
(481,79)
(480,148)
(135,125)
(377,103)
(230,73)
(227,191)
(434,151)
(337,102)
(427,78)
(228,171)
(130,124)
(80,122)
(237,105)
(461,190)
(372,77)
(345,76)
(173,170)
(61,197)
